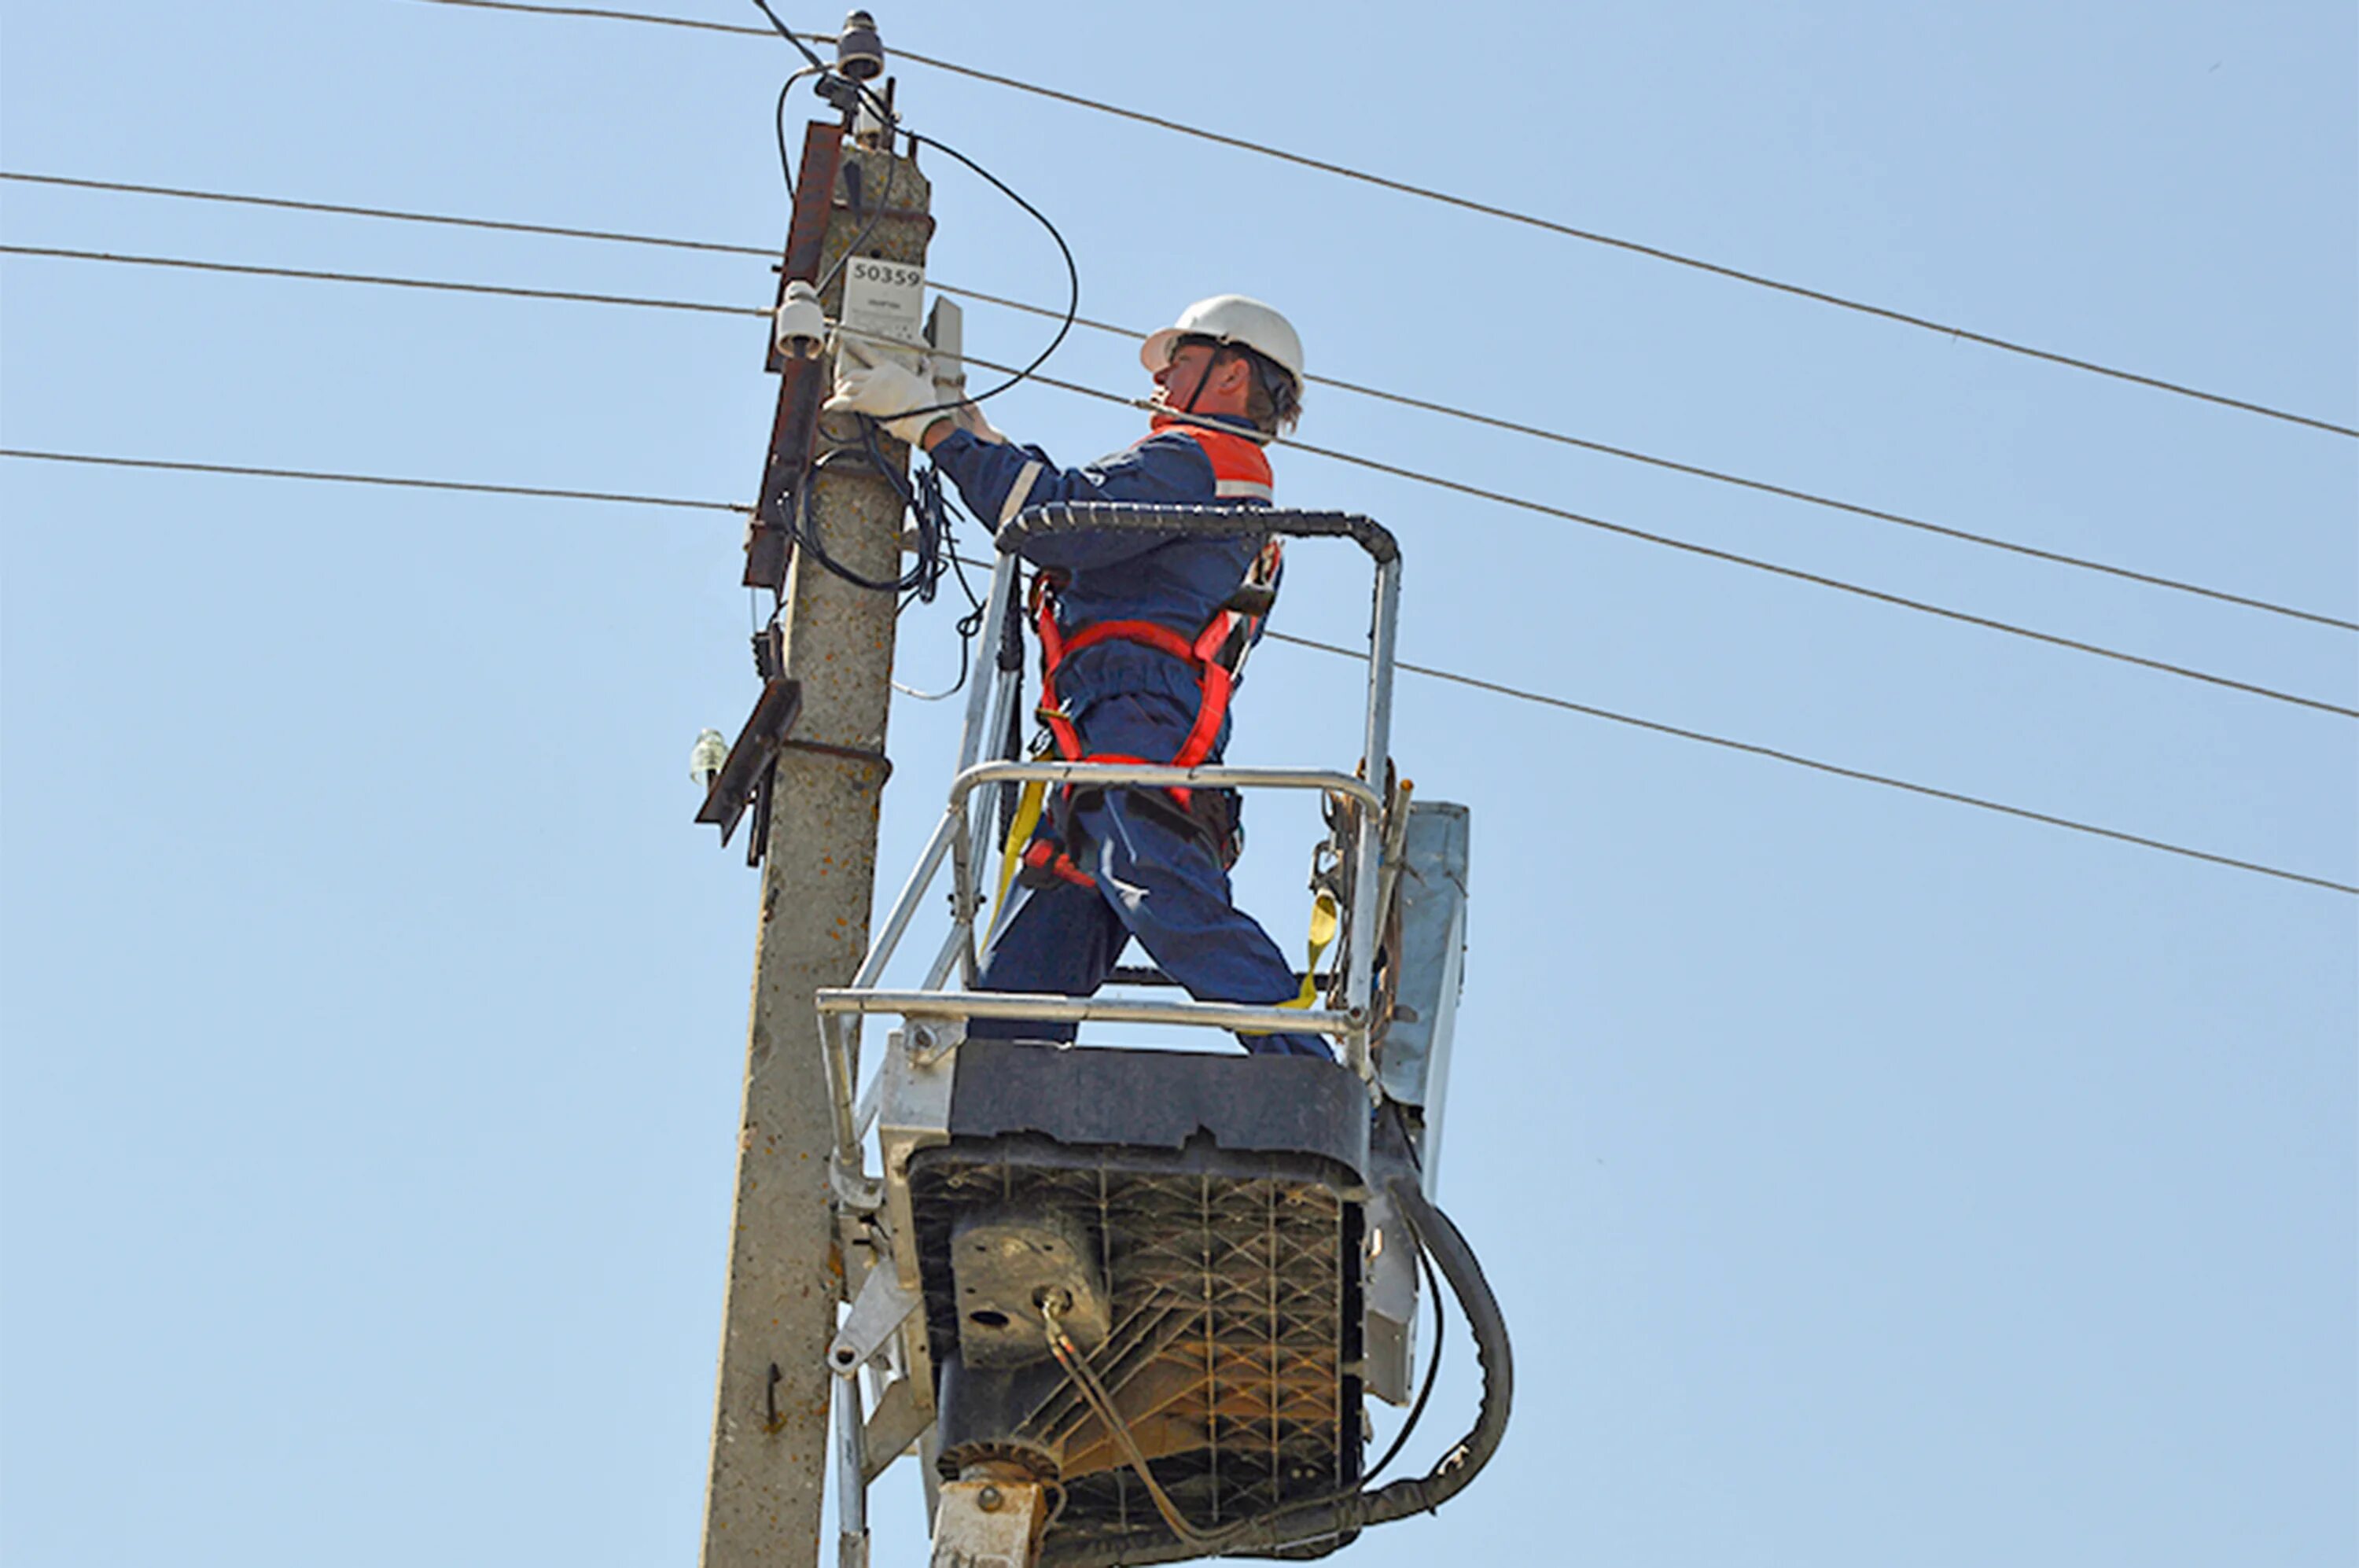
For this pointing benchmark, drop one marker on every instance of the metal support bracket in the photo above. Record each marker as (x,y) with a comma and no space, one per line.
(915,1113)
(749,759)
(880,1308)
(898,1421)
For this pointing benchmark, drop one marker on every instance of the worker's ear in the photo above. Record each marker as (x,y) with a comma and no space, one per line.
(1234,374)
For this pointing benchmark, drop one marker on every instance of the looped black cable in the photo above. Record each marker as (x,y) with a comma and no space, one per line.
(884,116)
(922,575)
(930,509)
(1072,281)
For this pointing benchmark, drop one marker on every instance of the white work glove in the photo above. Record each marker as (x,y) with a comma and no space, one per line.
(887,393)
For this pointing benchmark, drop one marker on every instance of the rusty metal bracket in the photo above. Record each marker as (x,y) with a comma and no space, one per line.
(748,769)
(769,541)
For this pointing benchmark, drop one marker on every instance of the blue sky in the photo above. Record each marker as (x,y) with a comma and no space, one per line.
(1868,1178)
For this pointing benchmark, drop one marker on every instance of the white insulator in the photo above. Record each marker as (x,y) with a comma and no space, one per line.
(704,762)
(799,327)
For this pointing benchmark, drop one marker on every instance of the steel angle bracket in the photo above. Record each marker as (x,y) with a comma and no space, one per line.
(877,1311)
(913,1111)
(745,774)
(885,1333)
(803,382)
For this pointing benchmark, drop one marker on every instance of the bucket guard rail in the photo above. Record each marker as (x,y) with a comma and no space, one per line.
(960,837)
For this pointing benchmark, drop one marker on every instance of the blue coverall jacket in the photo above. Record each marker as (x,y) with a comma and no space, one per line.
(1154,882)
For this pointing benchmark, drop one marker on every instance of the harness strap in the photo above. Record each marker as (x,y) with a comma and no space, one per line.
(1216,655)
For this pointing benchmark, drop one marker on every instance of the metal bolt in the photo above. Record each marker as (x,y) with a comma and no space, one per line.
(989,1499)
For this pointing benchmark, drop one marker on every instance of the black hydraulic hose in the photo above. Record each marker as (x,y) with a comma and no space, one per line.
(1448,1248)
(1332,1515)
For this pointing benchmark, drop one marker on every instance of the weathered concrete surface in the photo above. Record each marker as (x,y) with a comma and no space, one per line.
(770,1439)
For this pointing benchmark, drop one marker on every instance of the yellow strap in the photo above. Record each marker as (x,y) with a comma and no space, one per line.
(1325,919)
(1019,833)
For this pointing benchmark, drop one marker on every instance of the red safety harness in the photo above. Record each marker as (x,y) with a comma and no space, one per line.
(1216,654)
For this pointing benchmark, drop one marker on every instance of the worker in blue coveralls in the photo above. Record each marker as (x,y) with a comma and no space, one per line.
(1124,862)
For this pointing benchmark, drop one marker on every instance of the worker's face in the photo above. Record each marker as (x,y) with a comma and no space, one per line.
(1189,381)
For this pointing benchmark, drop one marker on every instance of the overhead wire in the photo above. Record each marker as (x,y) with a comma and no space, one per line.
(1675,465)
(397,214)
(1429,671)
(599,13)
(1796,759)
(1397,471)
(433,285)
(327,476)
(1754,564)
(1952,330)
(1722,476)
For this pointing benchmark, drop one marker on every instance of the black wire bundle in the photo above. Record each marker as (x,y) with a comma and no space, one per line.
(930,509)
(925,505)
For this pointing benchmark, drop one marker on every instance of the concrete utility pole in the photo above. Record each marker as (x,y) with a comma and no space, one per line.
(770,1434)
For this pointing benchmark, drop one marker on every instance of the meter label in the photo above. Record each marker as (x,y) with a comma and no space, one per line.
(885,300)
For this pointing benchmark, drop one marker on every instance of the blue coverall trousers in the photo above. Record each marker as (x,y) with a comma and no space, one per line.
(1156,882)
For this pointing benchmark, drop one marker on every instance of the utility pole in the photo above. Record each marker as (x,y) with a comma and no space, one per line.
(815,829)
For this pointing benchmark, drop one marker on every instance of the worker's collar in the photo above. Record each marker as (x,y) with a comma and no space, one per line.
(1232,424)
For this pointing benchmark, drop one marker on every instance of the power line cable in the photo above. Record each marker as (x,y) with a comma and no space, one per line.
(1754,564)
(674,502)
(1675,465)
(1374,464)
(1507,215)
(1763,487)
(1837,769)
(1518,693)
(1794,758)
(600,14)
(399,214)
(438,286)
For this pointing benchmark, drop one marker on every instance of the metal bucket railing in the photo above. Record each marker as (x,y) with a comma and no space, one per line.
(961,836)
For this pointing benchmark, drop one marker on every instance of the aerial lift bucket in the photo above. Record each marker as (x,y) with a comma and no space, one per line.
(1125,1304)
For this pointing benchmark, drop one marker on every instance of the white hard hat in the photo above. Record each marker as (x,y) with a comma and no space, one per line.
(1230,318)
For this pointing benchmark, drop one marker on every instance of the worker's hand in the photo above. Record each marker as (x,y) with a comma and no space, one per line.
(950,387)
(885,393)
(970,418)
